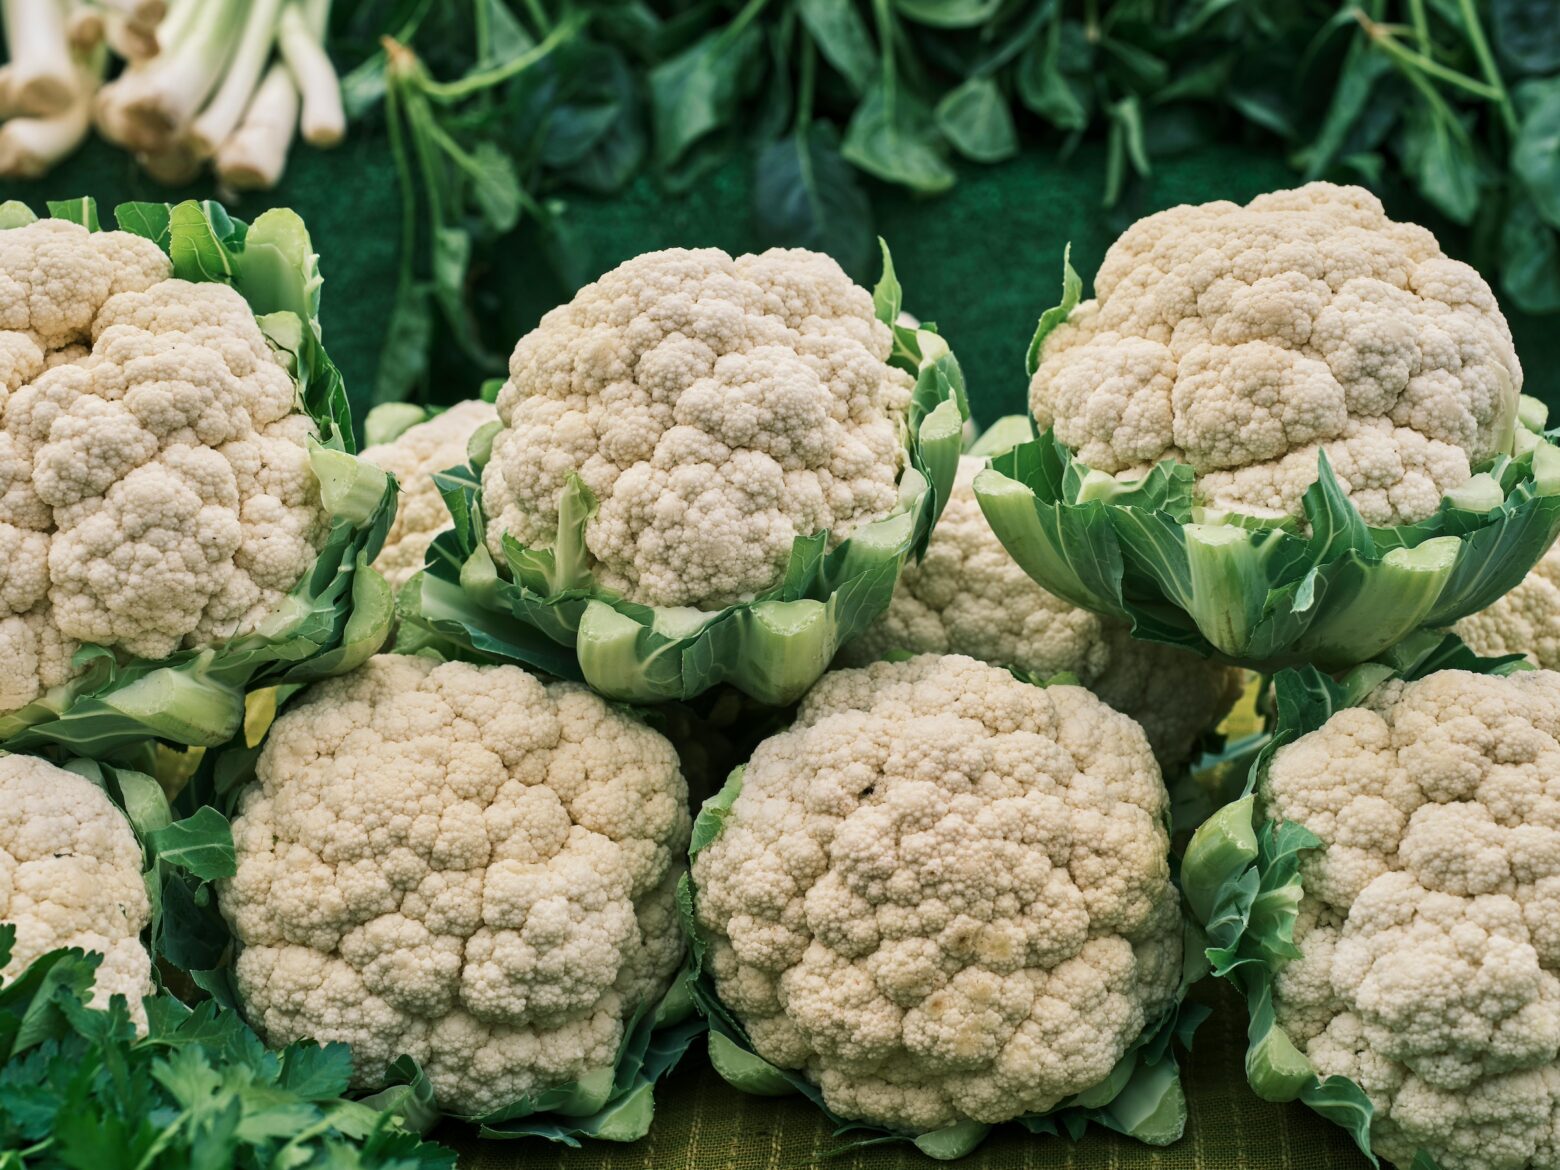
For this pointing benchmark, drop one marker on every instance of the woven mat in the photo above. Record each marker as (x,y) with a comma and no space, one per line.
(704,1124)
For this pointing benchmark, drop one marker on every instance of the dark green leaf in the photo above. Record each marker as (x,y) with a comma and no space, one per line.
(895,139)
(201,844)
(805,195)
(1535,156)
(841,35)
(1440,159)
(974,117)
(1045,90)
(1530,259)
(1527,34)
(695,93)
(495,186)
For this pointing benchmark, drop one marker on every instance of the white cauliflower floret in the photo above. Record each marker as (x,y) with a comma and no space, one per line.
(1243,340)
(718,409)
(944,894)
(968,596)
(462,864)
(155,487)
(1524,621)
(1430,927)
(413,457)
(70,876)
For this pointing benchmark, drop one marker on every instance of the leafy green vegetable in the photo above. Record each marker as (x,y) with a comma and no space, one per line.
(337,615)
(79,1089)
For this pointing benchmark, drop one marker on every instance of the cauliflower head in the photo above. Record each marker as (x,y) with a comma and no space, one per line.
(1242,340)
(413,457)
(968,596)
(1429,930)
(718,408)
(1524,621)
(944,894)
(155,485)
(70,876)
(462,864)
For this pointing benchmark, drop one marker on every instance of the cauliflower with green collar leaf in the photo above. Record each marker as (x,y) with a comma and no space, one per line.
(1525,621)
(462,864)
(70,876)
(968,596)
(1429,930)
(943,895)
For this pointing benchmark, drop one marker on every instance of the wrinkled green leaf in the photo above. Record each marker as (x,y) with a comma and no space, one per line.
(974,117)
(805,195)
(695,93)
(893,137)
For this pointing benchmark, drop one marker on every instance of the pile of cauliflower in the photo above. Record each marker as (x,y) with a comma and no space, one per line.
(939,893)
(155,485)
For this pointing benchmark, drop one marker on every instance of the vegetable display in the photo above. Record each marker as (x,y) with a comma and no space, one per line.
(182,517)
(941,900)
(1384,897)
(341,793)
(1289,432)
(708,470)
(462,866)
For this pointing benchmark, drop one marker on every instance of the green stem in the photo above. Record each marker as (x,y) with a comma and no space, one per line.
(448,92)
(482,27)
(403,173)
(884,18)
(747,15)
(1407,59)
(1486,59)
(1416,10)
(538,14)
(420,120)
(804,85)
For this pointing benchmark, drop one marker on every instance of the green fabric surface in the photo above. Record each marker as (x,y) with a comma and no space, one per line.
(704,1124)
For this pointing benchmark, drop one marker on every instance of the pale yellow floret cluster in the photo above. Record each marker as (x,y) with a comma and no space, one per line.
(155,488)
(1430,926)
(943,894)
(1242,340)
(70,876)
(718,409)
(1524,621)
(968,596)
(413,457)
(461,864)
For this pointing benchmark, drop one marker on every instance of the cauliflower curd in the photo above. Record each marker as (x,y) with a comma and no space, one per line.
(462,864)
(155,486)
(1242,340)
(70,876)
(717,408)
(413,457)
(1430,927)
(944,894)
(1525,621)
(968,596)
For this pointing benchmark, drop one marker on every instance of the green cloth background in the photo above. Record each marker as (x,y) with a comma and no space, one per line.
(982,261)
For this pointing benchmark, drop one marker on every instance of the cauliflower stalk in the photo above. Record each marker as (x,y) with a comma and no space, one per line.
(709,469)
(180,518)
(968,596)
(1280,433)
(467,866)
(1403,958)
(941,900)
